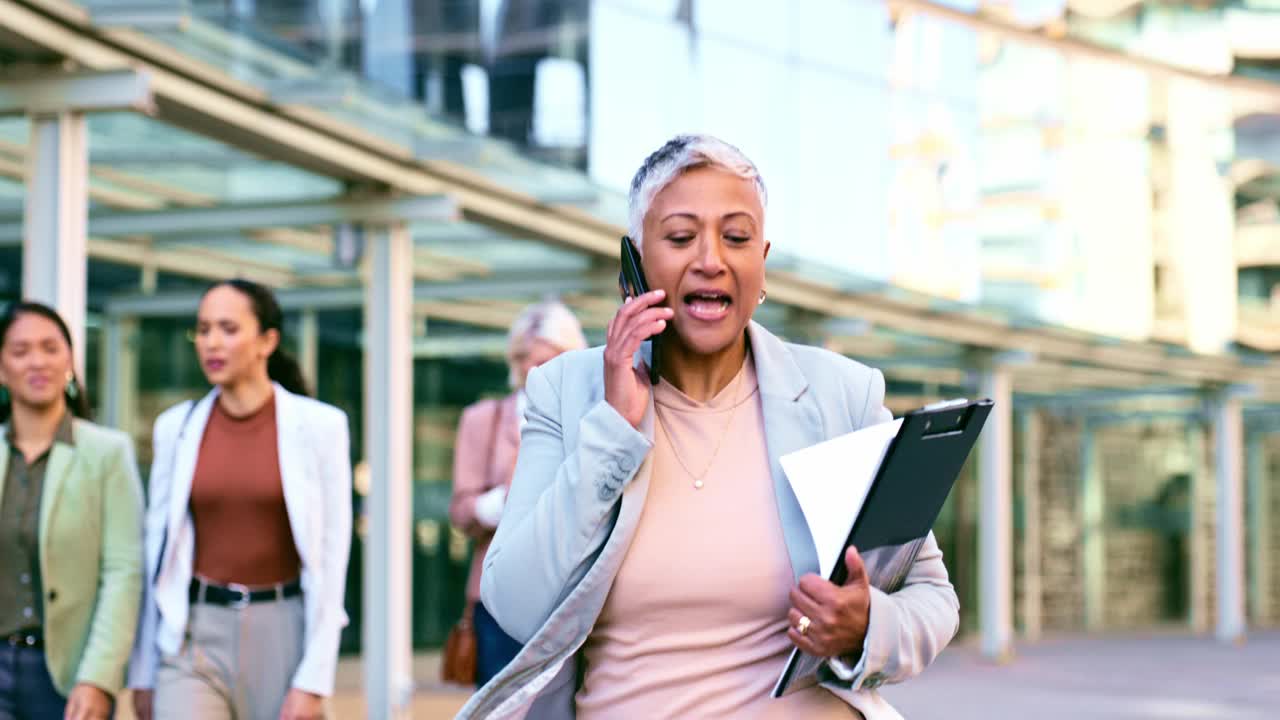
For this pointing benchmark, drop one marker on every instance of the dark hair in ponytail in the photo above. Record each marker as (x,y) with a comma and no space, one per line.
(281,367)
(77,399)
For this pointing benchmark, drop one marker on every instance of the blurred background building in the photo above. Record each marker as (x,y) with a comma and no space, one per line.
(1070,205)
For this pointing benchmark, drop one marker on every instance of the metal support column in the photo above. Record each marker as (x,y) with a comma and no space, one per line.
(148,279)
(388,450)
(1198,585)
(55,243)
(119,381)
(309,349)
(995,525)
(1260,527)
(1029,429)
(1228,422)
(1093,545)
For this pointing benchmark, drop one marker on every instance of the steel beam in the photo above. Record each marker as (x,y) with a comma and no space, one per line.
(233,218)
(490,345)
(1101,420)
(50,93)
(503,285)
(1086,399)
(210,157)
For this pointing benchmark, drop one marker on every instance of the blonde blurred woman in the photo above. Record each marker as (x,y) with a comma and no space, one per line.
(485,460)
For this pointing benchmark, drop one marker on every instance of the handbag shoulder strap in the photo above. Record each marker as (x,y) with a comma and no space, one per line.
(495,426)
(177,439)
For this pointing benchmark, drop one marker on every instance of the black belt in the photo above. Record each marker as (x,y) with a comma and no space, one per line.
(237,596)
(30,638)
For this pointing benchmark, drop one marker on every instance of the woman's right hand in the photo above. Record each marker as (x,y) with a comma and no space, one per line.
(142,699)
(626,387)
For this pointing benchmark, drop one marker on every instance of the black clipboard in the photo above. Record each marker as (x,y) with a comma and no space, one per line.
(919,468)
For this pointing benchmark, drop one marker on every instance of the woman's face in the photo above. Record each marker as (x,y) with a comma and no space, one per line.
(536,352)
(35,362)
(229,341)
(704,245)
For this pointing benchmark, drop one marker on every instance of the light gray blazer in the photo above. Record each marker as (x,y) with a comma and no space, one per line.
(581,480)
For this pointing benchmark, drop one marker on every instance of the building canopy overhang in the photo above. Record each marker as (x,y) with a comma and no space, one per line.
(246,161)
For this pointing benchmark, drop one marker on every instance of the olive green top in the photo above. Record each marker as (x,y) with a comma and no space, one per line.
(20,534)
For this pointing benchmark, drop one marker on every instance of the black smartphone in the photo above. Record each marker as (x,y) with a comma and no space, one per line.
(633,285)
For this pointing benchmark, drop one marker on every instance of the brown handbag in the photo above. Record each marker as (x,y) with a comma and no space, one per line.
(459,662)
(458,665)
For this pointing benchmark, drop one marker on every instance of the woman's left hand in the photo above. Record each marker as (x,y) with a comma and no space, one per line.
(837,616)
(88,702)
(302,705)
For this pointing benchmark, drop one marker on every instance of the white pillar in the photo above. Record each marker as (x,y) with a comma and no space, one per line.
(309,349)
(1260,523)
(119,381)
(1197,547)
(55,247)
(995,524)
(1093,545)
(148,279)
(388,566)
(1032,590)
(1228,426)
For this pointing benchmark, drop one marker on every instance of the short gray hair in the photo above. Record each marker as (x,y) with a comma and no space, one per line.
(549,321)
(679,155)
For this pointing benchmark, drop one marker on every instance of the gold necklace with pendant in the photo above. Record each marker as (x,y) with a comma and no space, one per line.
(697,479)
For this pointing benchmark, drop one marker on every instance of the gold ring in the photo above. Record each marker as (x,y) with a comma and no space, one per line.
(802,627)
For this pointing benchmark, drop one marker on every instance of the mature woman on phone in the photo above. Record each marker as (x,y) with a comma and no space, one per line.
(652,555)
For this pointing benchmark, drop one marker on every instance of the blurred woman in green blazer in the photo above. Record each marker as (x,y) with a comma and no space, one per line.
(70,529)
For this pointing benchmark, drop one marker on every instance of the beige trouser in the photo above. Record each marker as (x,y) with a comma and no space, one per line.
(234,664)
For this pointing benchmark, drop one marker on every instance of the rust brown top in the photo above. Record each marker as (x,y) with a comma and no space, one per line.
(237,502)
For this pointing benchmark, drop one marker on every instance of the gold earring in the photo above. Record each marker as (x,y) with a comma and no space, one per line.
(763,295)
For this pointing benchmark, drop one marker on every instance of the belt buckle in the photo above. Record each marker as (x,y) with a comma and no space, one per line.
(245,596)
(21,639)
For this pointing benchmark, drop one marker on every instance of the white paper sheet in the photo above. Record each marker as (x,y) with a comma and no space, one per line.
(831,481)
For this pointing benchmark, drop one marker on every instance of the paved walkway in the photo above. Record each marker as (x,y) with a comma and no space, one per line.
(1128,677)
(433,700)
(1116,677)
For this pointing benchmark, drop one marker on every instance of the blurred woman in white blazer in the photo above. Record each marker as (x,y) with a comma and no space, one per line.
(248,531)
